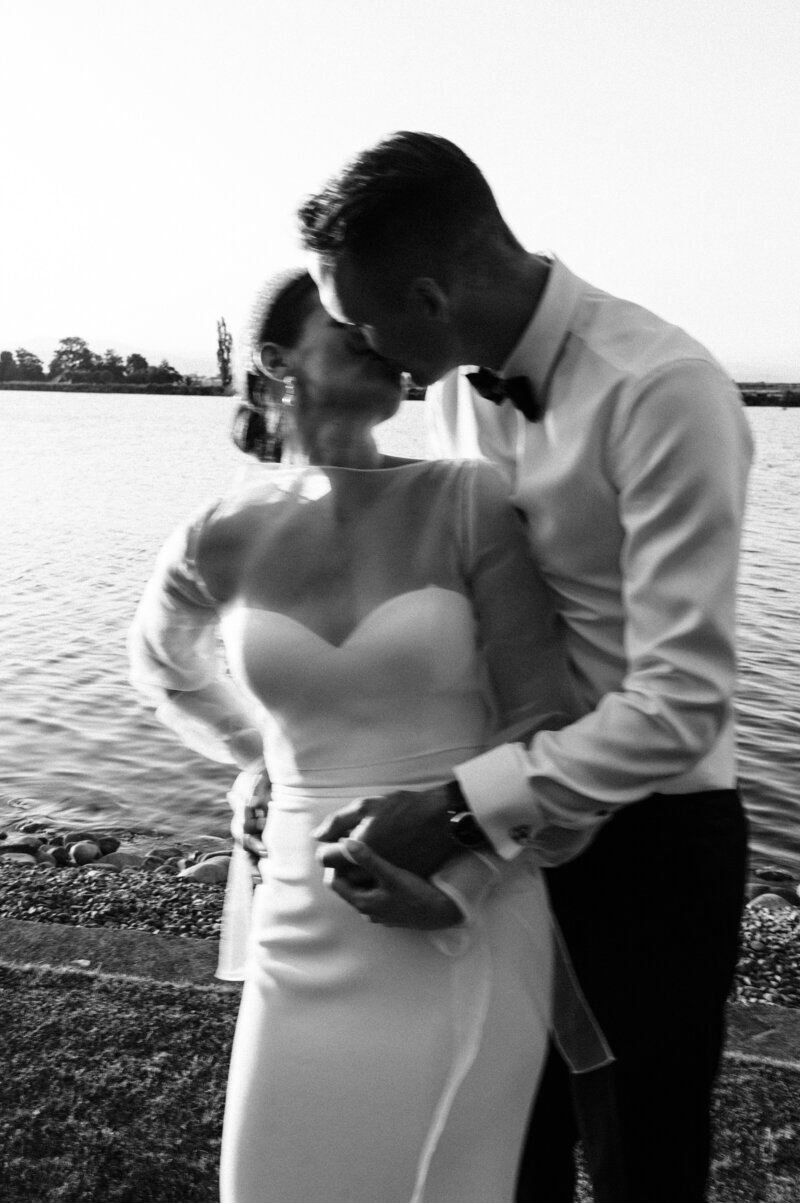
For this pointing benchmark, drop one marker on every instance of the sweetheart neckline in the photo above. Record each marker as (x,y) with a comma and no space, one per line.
(389,601)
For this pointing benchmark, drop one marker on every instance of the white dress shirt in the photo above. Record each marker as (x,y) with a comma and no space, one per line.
(633,485)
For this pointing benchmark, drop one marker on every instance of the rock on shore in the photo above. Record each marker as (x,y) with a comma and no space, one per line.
(98,879)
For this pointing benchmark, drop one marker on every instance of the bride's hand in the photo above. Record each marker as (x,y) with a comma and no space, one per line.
(381,892)
(249,799)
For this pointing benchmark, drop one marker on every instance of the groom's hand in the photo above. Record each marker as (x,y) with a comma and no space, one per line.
(410,828)
(383,893)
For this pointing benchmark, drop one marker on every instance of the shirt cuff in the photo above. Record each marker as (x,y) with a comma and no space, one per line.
(499,794)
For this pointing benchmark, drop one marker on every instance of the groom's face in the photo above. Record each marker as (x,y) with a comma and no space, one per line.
(395,319)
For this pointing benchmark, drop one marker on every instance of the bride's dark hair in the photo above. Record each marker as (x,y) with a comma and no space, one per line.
(278,314)
(281,307)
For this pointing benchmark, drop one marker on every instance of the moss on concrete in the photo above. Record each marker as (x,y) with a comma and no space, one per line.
(112,1088)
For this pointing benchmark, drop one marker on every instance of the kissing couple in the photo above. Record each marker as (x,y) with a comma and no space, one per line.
(485,701)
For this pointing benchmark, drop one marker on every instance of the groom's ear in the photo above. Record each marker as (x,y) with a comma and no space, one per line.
(270,359)
(428,295)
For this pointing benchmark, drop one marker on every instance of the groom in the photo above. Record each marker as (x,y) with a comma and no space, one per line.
(626,447)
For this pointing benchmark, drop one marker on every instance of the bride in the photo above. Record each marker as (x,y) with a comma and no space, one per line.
(382,622)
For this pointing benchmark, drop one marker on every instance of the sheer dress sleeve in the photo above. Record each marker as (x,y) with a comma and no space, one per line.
(526,671)
(520,637)
(175,664)
(529,681)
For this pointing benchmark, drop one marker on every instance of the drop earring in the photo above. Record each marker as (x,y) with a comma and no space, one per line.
(268,412)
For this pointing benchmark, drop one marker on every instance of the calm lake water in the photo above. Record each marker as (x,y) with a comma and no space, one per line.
(92,484)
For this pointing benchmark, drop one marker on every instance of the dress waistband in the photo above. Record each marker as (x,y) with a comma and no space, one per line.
(348,781)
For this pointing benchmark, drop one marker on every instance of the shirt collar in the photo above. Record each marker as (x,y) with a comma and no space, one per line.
(538,350)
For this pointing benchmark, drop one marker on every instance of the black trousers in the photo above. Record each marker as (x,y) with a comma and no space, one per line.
(650,914)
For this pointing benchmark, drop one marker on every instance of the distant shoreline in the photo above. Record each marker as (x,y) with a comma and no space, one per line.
(779,395)
(786,396)
(165,390)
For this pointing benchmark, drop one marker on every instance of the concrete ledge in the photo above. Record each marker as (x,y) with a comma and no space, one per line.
(111,952)
(760,1032)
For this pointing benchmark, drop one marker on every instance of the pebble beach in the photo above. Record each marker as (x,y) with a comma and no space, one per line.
(123,880)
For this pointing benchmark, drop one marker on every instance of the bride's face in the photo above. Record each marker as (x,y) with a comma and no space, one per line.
(334,366)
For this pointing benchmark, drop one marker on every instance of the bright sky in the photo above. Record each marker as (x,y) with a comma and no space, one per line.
(154,153)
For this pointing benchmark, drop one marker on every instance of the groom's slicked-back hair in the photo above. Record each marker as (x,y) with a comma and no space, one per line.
(408,189)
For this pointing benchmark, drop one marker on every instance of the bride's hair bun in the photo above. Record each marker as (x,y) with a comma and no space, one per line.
(281,308)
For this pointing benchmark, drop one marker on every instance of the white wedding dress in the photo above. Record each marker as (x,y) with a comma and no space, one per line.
(379,627)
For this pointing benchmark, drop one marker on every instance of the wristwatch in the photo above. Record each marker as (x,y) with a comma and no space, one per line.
(464,827)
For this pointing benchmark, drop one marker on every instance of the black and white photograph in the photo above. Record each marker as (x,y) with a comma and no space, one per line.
(400,618)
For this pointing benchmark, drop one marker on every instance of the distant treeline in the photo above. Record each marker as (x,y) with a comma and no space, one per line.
(76,367)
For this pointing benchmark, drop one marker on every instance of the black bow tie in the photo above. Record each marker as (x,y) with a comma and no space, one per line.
(518,390)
